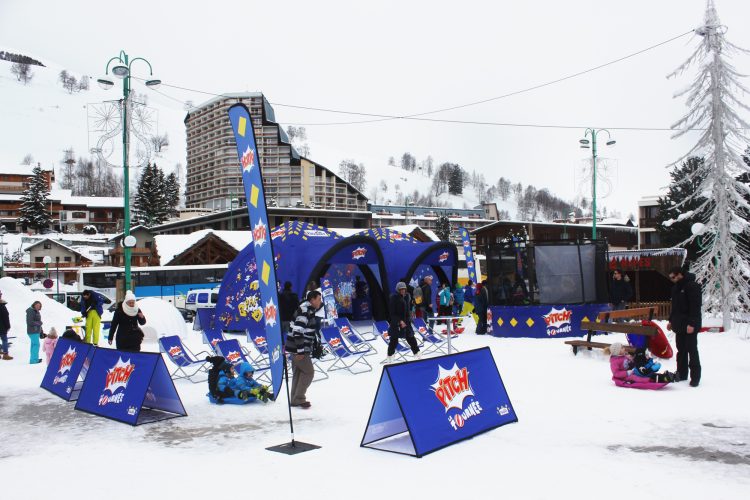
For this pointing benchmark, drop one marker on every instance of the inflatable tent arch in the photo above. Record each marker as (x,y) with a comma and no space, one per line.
(354,250)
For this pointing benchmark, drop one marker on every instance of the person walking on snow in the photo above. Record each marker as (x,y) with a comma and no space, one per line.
(34,330)
(303,333)
(125,327)
(685,321)
(4,328)
(400,322)
(91,310)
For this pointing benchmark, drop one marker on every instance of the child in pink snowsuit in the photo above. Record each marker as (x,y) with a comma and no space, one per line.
(49,343)
(622,367)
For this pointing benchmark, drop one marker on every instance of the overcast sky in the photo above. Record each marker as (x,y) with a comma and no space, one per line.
(406,57)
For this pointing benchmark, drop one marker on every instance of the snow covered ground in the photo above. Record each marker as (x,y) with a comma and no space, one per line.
(578,436)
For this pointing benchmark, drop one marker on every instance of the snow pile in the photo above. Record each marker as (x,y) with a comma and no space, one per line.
(162,319)
(20,298)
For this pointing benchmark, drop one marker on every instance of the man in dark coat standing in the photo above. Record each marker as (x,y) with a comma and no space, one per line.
(288,302)
(400,322)
(685,321)
(620,291)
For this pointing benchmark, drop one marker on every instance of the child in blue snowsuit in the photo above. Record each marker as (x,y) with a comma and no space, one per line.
(245,386)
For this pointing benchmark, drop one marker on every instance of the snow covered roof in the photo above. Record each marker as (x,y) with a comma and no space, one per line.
(169,246)
(18,169)
(630,229)
(65,197)
(73,250)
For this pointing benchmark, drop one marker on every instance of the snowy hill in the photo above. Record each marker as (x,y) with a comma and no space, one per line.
(44,119)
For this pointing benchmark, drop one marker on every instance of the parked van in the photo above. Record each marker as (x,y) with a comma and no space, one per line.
(201,298)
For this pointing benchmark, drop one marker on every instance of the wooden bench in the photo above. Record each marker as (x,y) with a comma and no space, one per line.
(602,325)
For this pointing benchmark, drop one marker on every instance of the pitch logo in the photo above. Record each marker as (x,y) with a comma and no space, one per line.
(65,364)
(359,253)
(175,351)
(443,257)
(278,233)
(270,311)
(344,330)
(116,382)
(234,357)
(260,341)
(259,234)
(247,160)
(558,321)
(334,343)
(451,388)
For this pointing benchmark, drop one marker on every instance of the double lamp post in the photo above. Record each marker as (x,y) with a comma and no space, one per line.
(585,145)
(121,68)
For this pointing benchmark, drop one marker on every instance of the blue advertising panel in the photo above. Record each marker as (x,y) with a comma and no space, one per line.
(470,262)
(546,321)
(68,364)
(438,402)
(250,168)
(130,387)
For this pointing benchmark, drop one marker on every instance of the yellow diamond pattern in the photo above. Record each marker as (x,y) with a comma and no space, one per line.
(530,322)
(254,191)
(585,318)
(499,321)
(265,274)
(513,322)
(241,126)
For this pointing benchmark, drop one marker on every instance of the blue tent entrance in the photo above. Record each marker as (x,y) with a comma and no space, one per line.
(68,368)
(130,387)
(422,406)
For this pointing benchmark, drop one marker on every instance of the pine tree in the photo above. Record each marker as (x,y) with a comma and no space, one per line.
(456,180)
(443,228)
(173,194)
(723,268)
(672,229)
(34,211)
(151,206)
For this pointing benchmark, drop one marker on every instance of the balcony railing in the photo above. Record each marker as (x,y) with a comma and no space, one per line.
(648,222)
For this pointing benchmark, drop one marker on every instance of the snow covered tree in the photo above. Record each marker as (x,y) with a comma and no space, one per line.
(151,206)
(455,180)
(443,227)
(673,228)
(172,187)
(353,173)
(34,211)
(22,71)
(723,268)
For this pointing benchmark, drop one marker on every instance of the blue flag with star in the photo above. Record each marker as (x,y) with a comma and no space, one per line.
(263,270)
(469,254)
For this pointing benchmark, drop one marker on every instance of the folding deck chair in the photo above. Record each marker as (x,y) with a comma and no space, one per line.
(346,359)
(213,337)
(258,340)
(234,353)
(356,341)
(381,328)
(433,343)
(188,364)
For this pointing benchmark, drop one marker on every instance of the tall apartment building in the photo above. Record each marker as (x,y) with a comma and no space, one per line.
(648,210)
(289,180)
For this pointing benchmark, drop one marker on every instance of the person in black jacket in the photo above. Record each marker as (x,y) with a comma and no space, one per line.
(288,302)
(685,321)
(303,336)
(125,327)
(620,291)
(4,327)
(400,324)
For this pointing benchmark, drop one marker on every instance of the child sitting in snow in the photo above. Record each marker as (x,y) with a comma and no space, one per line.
(639,371)
(224,383)
(49,343)
(246,387)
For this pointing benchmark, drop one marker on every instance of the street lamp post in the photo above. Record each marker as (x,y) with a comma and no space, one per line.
(57,275)
(121,69)
(47,259)
(585,144)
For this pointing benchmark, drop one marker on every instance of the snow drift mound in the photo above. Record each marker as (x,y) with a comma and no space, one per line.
(20,298)
(162,319)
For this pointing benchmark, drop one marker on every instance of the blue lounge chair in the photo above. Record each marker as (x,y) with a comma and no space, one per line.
(355,339)
(188,365)
(213,337)
(345,359)
(432,342)
(381,328)
(233,352)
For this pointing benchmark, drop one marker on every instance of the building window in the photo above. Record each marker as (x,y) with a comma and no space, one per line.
(67,259)
(47,245)
(38,260)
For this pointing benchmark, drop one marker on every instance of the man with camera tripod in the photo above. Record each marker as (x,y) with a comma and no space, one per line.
(304,335)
